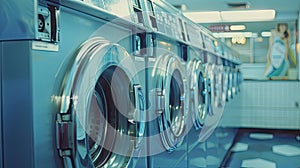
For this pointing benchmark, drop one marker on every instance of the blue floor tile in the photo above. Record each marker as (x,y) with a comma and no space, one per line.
(274,148)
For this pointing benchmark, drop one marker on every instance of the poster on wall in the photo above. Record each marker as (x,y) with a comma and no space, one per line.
(282,56)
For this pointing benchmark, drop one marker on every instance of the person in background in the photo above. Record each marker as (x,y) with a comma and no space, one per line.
(277,58)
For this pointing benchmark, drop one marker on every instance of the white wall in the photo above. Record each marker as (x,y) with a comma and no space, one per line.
(265,104)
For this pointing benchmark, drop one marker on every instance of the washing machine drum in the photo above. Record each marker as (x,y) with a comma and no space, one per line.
(101,120)
(198,92)
(171,103)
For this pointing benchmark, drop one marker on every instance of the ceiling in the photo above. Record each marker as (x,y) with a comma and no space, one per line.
(281,6)
(286,10)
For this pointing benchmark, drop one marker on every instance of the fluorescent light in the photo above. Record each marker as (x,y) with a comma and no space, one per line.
(204,17)
(231,16)
(266,34)
(248,15)
(237,27)
(233,34)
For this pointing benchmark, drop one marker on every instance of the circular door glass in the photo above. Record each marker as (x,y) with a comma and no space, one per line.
(176,103)
(97,125)
(198,94)
(170,81)
(100,107)
(201,110)
(101,146)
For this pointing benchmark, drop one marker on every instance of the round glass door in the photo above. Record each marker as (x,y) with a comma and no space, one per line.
(171,83)
(198,98)
(102,119)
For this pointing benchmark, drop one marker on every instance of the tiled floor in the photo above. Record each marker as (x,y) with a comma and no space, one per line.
(265,149)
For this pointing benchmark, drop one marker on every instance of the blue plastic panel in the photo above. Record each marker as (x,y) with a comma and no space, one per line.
(17,19)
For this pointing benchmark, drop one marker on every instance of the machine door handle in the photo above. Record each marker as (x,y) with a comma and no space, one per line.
(139,116)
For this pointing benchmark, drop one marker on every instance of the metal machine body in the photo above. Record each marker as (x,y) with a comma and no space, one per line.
(79,99)
(166,87)
(199,94)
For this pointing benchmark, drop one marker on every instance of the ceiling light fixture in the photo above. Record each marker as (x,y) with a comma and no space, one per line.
(237,27)
(231,16)
(233,34)
(248,15)
(204,17)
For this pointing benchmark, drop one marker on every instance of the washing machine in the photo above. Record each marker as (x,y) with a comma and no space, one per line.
(197,78)
(71,94)
(210,94)
(198,107)
(167,108)
(166,100)
(213,69)
(199,96)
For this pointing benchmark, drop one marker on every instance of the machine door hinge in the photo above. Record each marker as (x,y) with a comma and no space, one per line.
(160,101)
(65,134)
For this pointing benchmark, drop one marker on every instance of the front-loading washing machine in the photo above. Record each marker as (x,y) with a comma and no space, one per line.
(166,87)
(71,95)
(198,89)
(199,98)
(167,108)
(208,126)
(197,78)
(215,87)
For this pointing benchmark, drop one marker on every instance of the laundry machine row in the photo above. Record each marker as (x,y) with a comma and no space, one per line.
(85,85)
